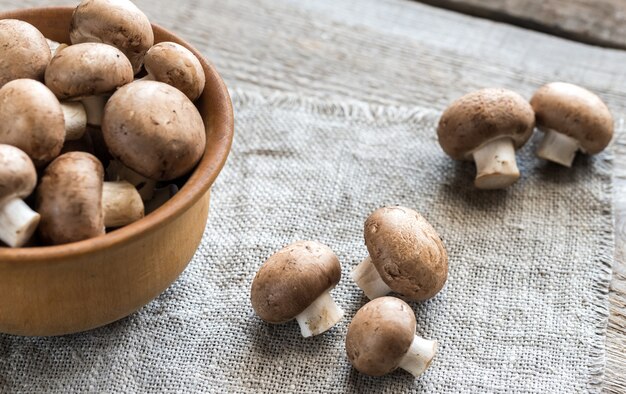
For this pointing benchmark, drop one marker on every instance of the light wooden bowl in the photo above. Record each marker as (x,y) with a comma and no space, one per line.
(70,288)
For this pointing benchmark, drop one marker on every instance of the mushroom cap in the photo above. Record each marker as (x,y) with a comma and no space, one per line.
(24,51)
(31,118)
(115,22)
(575,112)
(89,69)
(154,129)
(379,335)
(18,176)
(69,199)
(407,252)
(481,117)
(292,278)
(175,65)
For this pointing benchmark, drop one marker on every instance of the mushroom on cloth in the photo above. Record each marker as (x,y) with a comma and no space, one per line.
(487,126)
(381,338)
(75,204)
(24,51)
(572,119)
(18,179)
(406,255)
(295,283)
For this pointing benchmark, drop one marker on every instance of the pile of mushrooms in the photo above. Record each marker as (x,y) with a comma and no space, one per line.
(489,125)
(108,146)
(407,257)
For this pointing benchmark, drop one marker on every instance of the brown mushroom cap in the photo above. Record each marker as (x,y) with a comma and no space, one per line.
(24,51)
(407,252)
(69,199)
(154,129)
(176,66)
(18,176)
(292,278)
(115,22)
(90,69)
(482,116)
(379,336)
(575,112)
(31,119)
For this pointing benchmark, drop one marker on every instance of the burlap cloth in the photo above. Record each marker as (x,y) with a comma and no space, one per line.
(524,309)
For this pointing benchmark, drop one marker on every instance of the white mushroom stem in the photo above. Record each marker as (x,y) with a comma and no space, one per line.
(119,172)
(17,222)
(121,204)
(55,47)
(496,167)
(419,356)
(558,148)
(75,120)
(369,280)
(321,315)
(94,106)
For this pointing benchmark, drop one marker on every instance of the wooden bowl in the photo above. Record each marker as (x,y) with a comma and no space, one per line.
(56,290)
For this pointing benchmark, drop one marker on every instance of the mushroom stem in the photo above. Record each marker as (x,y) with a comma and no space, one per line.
(558,148)
(369,280)
(318,317)
(75,120)
(121,204)
(419,356)
(118,172)
(17,222)
(161,196)
(496,167)
(94,106)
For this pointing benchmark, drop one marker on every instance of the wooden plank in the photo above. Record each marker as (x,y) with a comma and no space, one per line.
(598,22)
(416,55)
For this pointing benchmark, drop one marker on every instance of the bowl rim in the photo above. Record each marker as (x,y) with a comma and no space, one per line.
(198,184)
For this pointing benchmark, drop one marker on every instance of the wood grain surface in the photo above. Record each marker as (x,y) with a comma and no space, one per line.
(417,55)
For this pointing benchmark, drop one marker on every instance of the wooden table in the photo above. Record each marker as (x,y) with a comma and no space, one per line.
(421,56)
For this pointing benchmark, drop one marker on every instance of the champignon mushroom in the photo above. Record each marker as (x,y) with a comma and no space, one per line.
(406,256)
(75,204)
(115,22)
(88,72)
(24,51)
(176,66)
(381,338)
(32,119)
(18,179)
(487,126)
(295,283)
(572,119)
(154,130)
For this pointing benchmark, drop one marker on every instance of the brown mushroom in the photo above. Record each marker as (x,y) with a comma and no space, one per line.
(407,256)
(18,179)
(572,119)
(176,66)
(24,51)
(89,73)
(75,204)
(381,338)
(115,22)
(32,119)
(295,283)
(487,126)
(154,129)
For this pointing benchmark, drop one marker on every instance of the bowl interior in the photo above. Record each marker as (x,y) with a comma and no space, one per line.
(216,110)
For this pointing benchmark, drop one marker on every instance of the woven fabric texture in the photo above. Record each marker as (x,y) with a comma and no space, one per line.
(524,309)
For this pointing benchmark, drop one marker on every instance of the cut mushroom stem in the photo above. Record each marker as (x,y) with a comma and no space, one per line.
(496,167)
(558,148)
(318,317)
(369,280)
(75,120)
(17,222)
(419,356)
(94,106)
(121,204)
